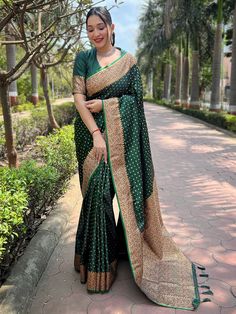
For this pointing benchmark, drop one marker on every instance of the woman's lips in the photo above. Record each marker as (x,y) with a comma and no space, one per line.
(98,40)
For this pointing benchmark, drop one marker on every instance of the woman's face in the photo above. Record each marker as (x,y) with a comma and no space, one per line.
(98,32)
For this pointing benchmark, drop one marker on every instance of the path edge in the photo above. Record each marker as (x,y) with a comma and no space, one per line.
(212,126)
(20,286)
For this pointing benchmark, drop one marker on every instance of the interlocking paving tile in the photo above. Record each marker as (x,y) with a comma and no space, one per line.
(74,304)
(230,244)
(115,304)
(223,272)
(129,289)
(151,309)
(222,293)
(204,308)
(228,310)
(227,257)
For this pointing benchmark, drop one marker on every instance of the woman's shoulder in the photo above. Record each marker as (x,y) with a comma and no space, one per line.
(85,53)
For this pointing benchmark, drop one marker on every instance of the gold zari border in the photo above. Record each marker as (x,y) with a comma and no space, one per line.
(160,269)
(109,75)
(96,281)
(78,85)
(90,164)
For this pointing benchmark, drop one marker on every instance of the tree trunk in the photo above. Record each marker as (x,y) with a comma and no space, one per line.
(11,63)
(178,79)
(51,117)
(195,97)
(167,81)
(216,65)
(11,151)
(34,82)
(232,101)
(150,83)
(185,90)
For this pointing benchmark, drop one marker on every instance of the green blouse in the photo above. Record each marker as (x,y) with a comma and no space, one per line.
(86,63)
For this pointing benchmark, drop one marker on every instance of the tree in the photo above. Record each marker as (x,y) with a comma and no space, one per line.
(19,14)
(175,21)
(232,102)
(217,60)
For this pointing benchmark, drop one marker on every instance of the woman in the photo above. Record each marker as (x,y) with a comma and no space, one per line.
(114,157)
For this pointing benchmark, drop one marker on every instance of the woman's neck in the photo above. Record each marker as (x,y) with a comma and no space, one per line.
(105,49)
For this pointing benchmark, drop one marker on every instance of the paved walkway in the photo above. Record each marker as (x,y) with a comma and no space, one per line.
(196,174)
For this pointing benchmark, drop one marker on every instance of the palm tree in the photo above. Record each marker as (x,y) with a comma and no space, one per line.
(185,76)
(167,77)
(232,102)
(217,60)
(178,79)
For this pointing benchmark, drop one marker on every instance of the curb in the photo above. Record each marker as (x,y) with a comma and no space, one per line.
(16,292)
(212,126)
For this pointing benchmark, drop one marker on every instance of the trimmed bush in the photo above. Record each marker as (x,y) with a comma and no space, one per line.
(27,129)
(27,194)
(221,119)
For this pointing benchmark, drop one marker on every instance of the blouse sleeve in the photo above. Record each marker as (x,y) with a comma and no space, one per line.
(79,74)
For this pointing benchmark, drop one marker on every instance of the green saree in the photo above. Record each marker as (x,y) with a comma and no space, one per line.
(159,268)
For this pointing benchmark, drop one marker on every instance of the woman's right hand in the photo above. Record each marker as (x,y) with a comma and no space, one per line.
(100,146)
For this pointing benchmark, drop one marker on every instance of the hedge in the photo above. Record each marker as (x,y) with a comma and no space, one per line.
(27,129)
(28,193)
(221,119)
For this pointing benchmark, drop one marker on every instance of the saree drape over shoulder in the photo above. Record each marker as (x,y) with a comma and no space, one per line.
(159,268)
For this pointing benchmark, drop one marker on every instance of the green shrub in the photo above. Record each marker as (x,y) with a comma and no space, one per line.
(26,193)
(13,204)
(58,150)
(26,106)
(27,129)
(220,119)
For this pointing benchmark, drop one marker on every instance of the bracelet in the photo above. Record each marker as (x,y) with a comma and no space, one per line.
(98,129)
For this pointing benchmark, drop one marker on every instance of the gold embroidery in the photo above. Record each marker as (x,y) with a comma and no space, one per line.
(161,270)
(96,281)
(78,83)
(110,75)
(117,157)
(102,281)
(90,164)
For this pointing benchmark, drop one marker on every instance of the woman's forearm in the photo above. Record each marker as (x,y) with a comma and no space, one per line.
(85,114)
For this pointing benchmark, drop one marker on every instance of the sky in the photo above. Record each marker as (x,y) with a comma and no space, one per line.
(125,18)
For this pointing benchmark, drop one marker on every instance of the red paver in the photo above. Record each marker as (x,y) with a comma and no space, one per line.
(196,175)
(228,311)
(151,309)
(116,304)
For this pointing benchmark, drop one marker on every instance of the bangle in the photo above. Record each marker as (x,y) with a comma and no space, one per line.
(98,129)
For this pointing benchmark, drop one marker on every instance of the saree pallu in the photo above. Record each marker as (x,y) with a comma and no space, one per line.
(159,268)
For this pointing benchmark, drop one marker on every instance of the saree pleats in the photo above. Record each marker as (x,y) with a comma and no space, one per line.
(96,245)
(159,268)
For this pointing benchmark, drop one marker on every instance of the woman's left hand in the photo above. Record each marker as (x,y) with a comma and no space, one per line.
(94,105)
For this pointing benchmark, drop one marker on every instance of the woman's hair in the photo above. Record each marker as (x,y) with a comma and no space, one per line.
(104,15)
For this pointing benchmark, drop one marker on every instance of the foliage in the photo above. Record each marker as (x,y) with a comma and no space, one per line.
(13,204)
(58,151)
(221,119)
(27,129)
(28,193)
(24,85)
